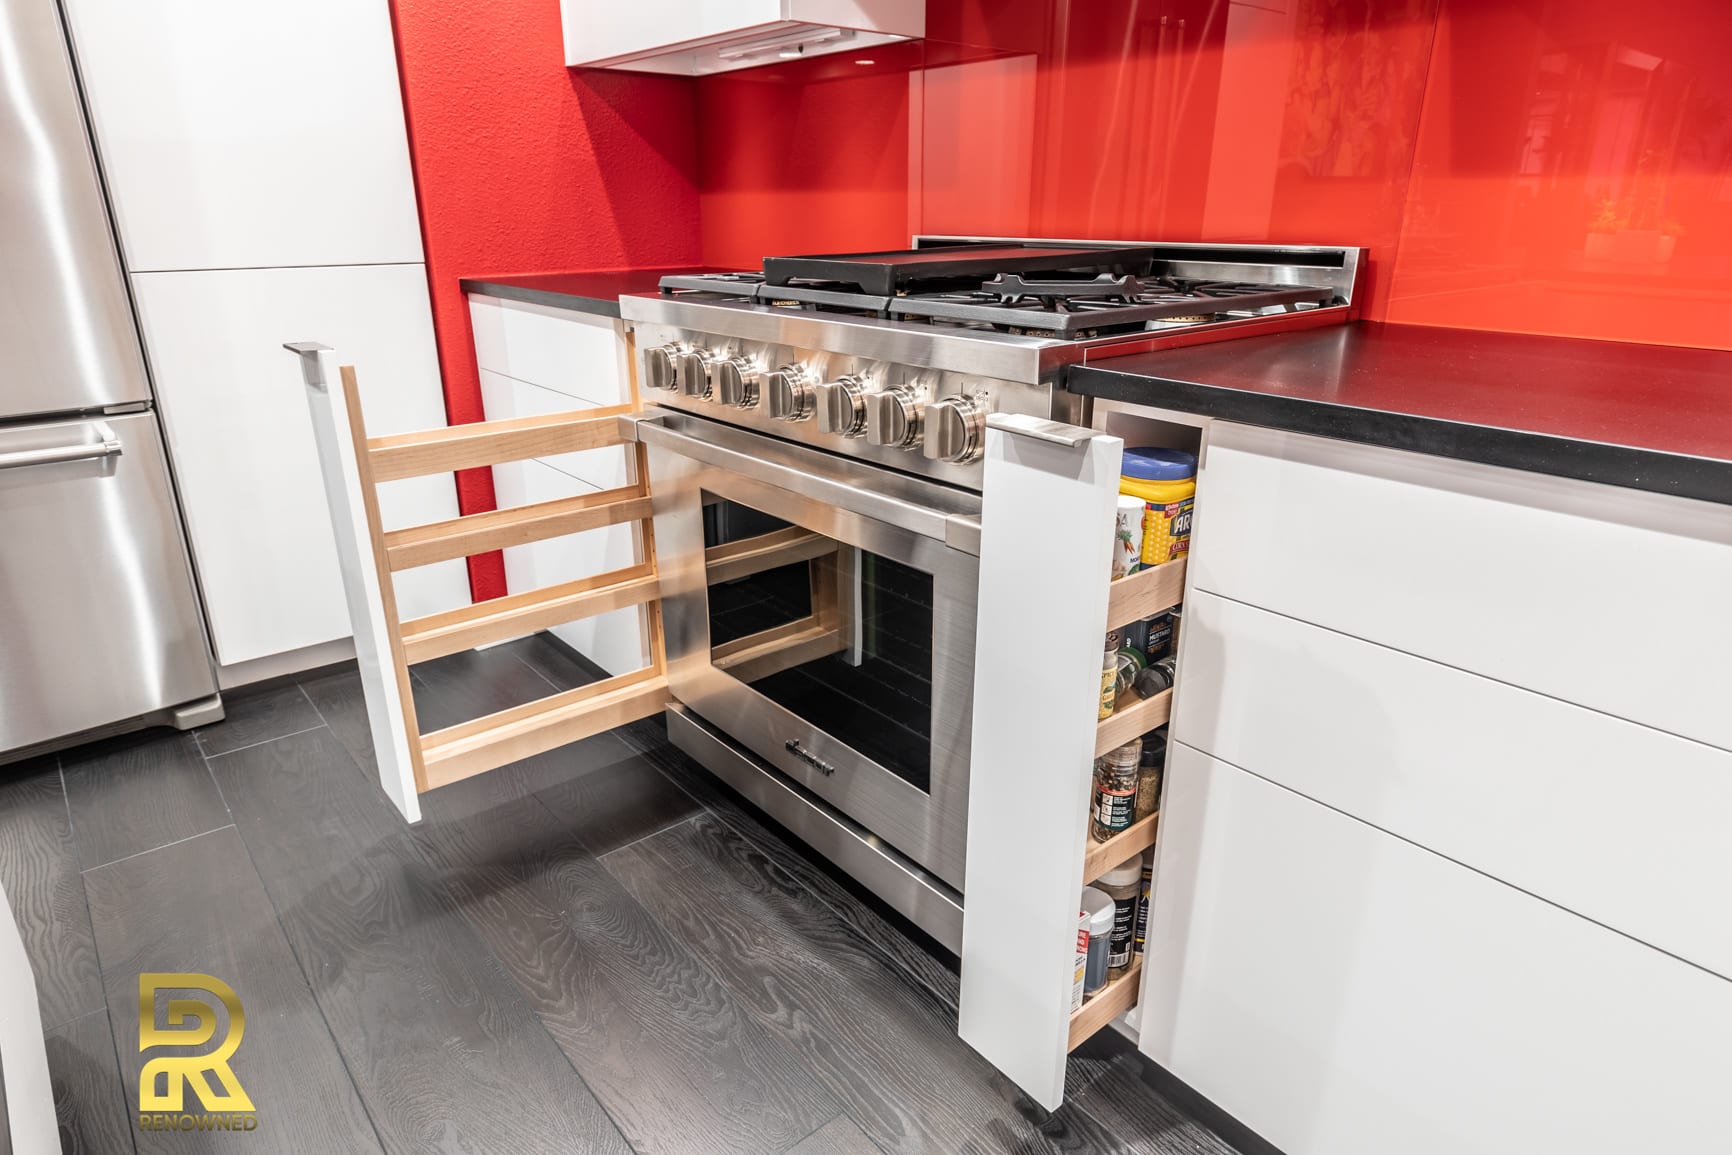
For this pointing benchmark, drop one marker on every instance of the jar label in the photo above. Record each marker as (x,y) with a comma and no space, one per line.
(1119,948)
(1114,808)
(1166,531)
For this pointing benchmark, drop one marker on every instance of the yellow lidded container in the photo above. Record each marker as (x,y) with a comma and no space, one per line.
(1166,482)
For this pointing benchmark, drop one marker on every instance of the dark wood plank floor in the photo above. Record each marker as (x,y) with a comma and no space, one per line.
(599,949)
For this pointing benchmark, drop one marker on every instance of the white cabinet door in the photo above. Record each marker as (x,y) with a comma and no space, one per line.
(245,135)
(242,442)
(1613,598)
(577,354)
(503,398)
(1343,992)
(1629,826)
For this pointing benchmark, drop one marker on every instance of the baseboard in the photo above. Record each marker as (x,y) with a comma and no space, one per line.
(290,662)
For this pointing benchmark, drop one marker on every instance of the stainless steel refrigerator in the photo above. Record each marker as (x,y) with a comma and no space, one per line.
(99,619)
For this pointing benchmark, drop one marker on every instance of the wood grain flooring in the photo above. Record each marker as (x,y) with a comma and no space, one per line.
(89,1100)
(599,949)
(197,906)
(132,794)
(39,871)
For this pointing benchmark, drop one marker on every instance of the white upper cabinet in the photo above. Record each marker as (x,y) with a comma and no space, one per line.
(695,37)
(221,126)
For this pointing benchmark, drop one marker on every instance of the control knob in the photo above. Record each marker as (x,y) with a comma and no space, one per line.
(692,372)
(736,382)
(842,406)
(894,417)
(789,393)
(955,429)
(658,366)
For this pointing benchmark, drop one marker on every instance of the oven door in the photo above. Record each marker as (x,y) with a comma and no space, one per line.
(821,612)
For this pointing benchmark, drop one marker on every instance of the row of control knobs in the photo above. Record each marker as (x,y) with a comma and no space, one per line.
(947,430)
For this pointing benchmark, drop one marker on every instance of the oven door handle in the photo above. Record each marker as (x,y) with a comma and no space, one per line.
(957,531)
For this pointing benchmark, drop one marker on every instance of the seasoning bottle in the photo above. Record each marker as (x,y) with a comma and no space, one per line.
(1166,481)
(1115,795)
(1123,884)
(1109,682)
(1098,905)
(1128,536)
(1148,885)
(1149,775)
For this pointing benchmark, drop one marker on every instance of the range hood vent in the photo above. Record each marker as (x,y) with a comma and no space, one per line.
(701,37)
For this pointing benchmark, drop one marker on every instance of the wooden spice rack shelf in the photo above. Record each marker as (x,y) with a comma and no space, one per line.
(1145,593)
(1108,1003)
(1132,718)
(1133,839)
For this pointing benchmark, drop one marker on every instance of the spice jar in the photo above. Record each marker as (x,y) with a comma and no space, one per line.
(1128,537)
(1109,681)
(1115,794)
(1098,906)
(1124,885)
(1149,775)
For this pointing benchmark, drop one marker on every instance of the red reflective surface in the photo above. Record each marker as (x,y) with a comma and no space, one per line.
(1548,166)
(1574,173)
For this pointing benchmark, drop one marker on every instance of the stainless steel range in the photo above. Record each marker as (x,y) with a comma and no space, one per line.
(815,456)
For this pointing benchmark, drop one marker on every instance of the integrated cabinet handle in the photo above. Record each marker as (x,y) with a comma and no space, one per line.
(51,456)
(1057,432)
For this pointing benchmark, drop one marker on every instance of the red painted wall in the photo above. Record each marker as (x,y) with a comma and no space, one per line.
(1549,166)
(523,165)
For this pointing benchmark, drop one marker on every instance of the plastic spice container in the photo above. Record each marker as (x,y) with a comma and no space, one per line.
(1166,481)
(1082,960)
(1148,884)
(1128,537)
(1153,758)
(1124,884)
(1098,905)
(1109,682)
(1115,795)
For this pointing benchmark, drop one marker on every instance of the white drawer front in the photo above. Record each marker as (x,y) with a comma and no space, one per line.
(1344,992)
(1626,825)
(503,397)
(615,641)
(579,355)
(1613,598)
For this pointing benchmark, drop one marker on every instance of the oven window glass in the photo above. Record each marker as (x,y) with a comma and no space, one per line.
(839,636)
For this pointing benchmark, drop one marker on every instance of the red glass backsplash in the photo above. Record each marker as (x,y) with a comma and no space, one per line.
(1553,166)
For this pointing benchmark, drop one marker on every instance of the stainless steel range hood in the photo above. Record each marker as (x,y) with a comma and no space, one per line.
(697,38)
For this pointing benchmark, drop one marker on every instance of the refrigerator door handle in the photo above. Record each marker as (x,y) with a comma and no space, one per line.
(108,447)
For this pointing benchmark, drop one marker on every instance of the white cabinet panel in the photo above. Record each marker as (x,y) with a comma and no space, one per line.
(1343,992)
(242,442)
(614,641)
(577,354)
(505,397)
(1626,825)
(237,135)
(1609,597)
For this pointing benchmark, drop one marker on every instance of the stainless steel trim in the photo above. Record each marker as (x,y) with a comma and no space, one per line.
(58,453)
(908,503)
(932,906)
(1056,432)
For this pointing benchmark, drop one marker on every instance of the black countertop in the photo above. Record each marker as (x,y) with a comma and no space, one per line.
(594,292)
(1642,416)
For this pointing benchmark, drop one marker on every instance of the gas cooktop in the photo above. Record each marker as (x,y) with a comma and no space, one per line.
(1066,291)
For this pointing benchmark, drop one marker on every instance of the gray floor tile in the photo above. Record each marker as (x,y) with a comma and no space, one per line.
(197,906)
(338,697)
(136,793)
(39,871)
(1140,1117)
(89,1099)
(254,716)
(445,1051)
(837,1137)
(673,1056)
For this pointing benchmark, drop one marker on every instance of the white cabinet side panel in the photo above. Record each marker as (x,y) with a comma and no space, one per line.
(242,442)
(206,112)
(1045,563)
(1609,597)
(1620,823)
(1343,992)
(577,354)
